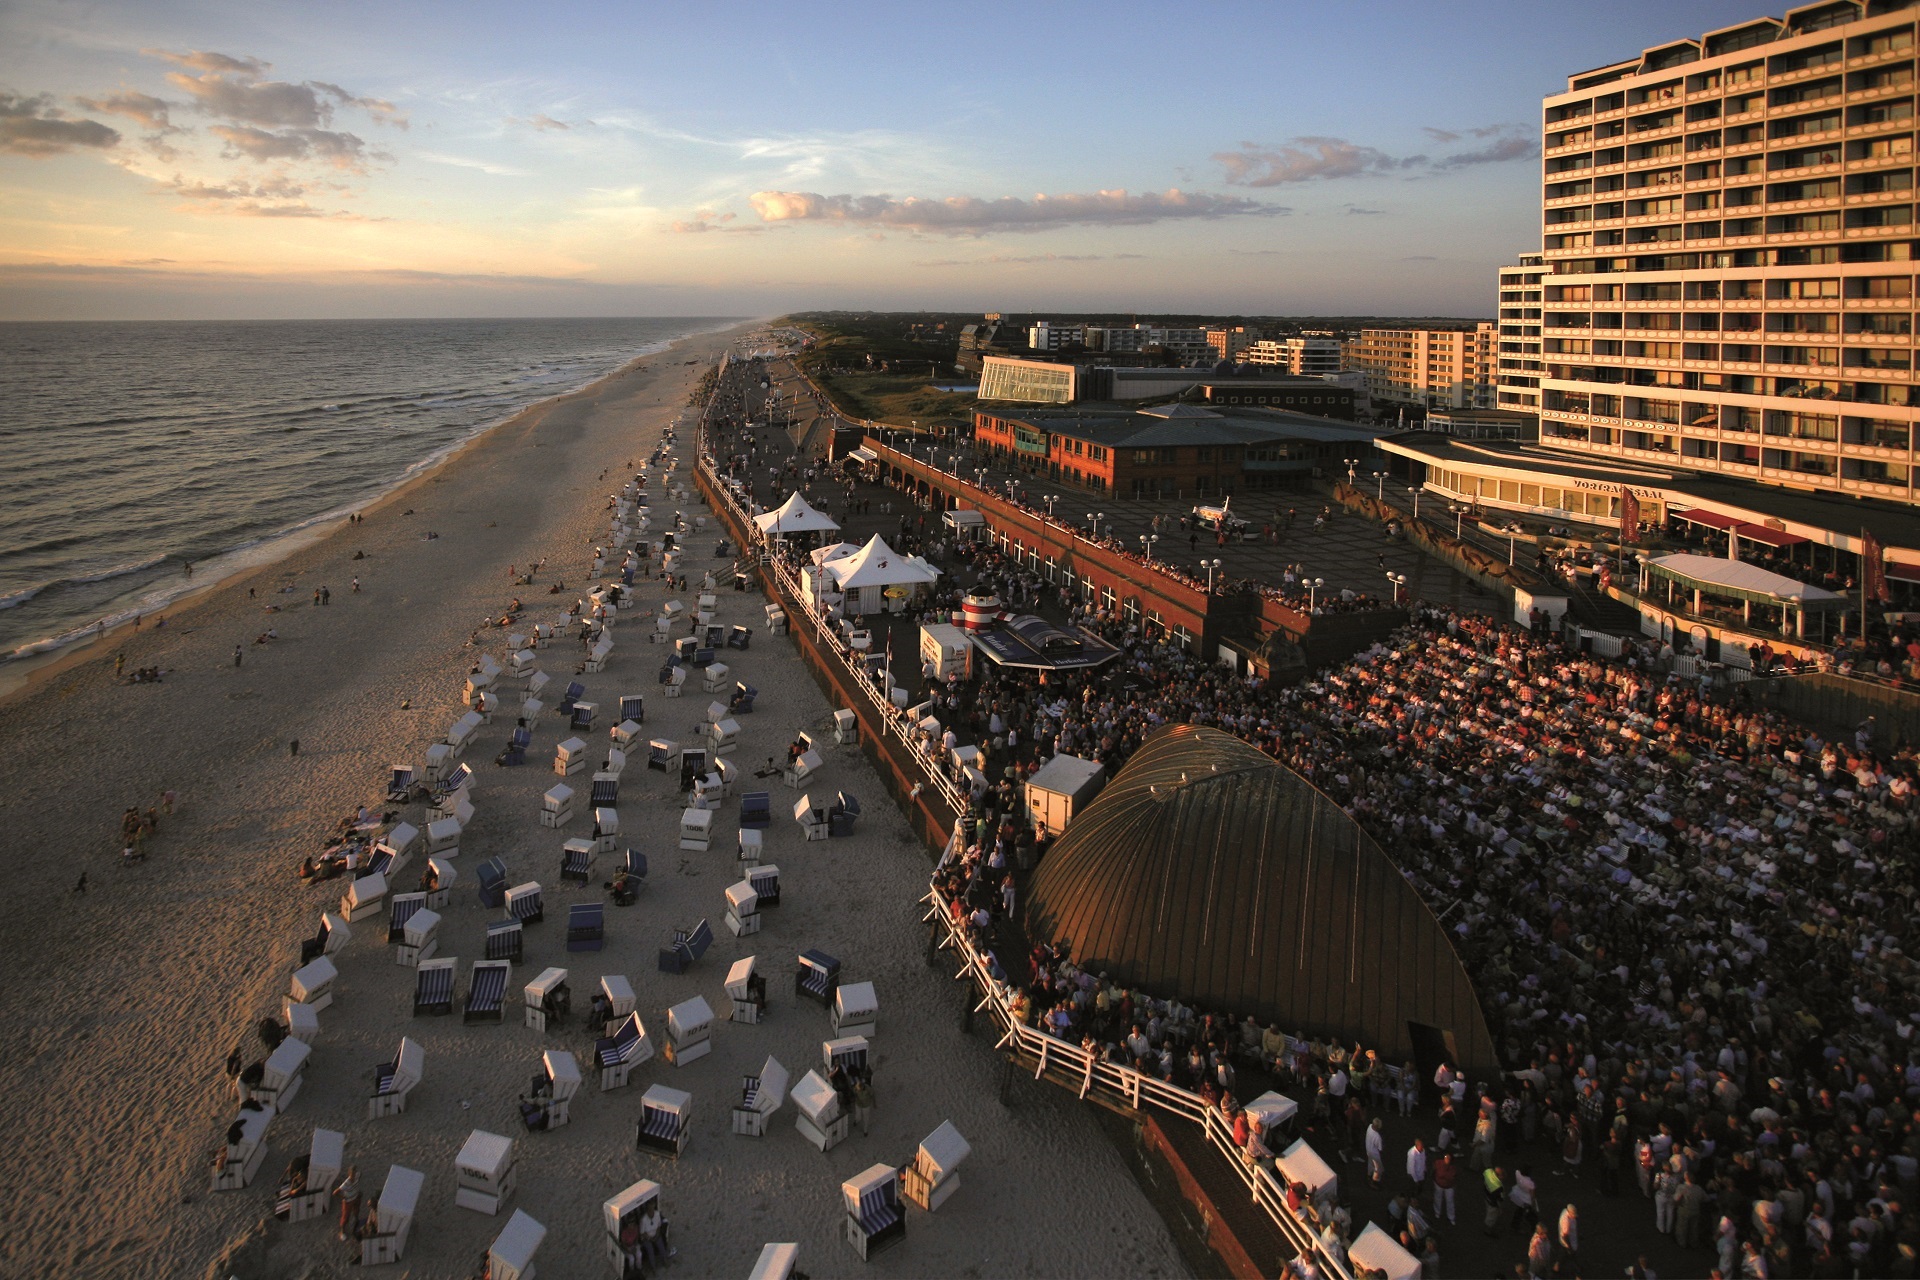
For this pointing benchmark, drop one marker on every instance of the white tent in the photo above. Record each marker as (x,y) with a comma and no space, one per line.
(866,576)
(820,555)
(1378,1251)
(794,516)
(1715,574)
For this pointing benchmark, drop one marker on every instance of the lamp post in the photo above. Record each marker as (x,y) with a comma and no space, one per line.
(1416,500)
(1146,545)
(1352,465)
(1051,499)
(1398,580)
(1641,557)
(1459,516)
(1313,591)
(1212,567)
(1380,486)
(1511,539)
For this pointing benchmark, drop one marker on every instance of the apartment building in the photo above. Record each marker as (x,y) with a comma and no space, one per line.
(1230,344)
(1517,367)
(1048,336)
(1315,354)
(1188,344)
(1728,255)
(1427,368)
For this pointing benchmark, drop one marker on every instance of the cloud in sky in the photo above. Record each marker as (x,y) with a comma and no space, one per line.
(971,215)
(35,127)
(340,150)
(546,123)
(1309,159)
(143,108)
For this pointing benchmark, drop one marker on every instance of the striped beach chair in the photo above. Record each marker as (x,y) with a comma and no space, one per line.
(487,991)
(586,926)
(433,987)
(505,939)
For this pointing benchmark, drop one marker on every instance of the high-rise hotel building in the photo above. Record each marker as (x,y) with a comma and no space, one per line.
(1729,255)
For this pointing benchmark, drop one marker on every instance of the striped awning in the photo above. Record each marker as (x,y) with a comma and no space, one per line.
(1712,519)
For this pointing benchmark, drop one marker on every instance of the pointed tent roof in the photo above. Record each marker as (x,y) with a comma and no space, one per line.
(838,551)
(878,565)
(794,516)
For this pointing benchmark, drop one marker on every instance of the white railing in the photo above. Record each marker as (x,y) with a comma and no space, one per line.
(892,718)
(1135,1088)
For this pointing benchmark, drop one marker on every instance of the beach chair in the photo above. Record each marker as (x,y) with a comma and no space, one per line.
(433,986)
(663,754)
(875,1218)
(804,766)
(586,926)
(575,691)
(816,977)
(546,999)
(623,1215)
(703,657)
(531,709)
(664,1116)
(621,1052)
(439,880)
(696,828)
(672,610)
(717,677)
(750,844)
(281,1076)
(492,875)
(334,934)
(439,760)
(461,732)
(811,817)
(505,940)
(765,879)
(689,1031)
(312,983)
(312,1194)
(400,909)
(846,726)
(556,806)
(526,904)
(452,783)
(687,946)
(723,736)
(743,909)
(518,744)
(303,1024)
(510,1256)
(817,1112)
(672,681)
(520,663)
(576,859)
(400,784)
(549,1105)
(776,620)
(484,1172)
(364,897)
(615,1000)
(843,814)
(777,1261)
(605,792)
(760,1096)
(934,1174)
(570,757)
(684,650)
(393,1081)
(633,709)
(747,990)
(584,712)
(614,766)
(740,702)
(626,737)
(393,1216)
(443,837)
(635,865)
(739,637)
(662,631)
(487,991)
(606,829)
(419,935)
(708,792)
(756,810)
(693,766)
(846,1053)
(245,1149)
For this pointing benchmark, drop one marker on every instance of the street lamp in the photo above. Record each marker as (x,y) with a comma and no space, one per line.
(1099,518)
(1398,580)
(1352,464)
(1416,501)
(1050,500)
(1146,545)
(1313,590)
(1510,544)
(1380,486)
(1212,567)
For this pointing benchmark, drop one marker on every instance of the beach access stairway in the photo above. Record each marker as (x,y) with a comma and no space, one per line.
(1242,1191)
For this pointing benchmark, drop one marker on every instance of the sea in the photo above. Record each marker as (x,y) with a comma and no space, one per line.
(129,451)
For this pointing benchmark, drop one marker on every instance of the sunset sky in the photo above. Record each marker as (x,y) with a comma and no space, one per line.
(214,159)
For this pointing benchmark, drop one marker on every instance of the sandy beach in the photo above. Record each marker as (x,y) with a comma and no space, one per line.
(121,1002)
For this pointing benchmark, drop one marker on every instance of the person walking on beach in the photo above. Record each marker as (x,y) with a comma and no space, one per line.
(293,749)
(347,1192)
(236,655)
(119,663)
(356,585)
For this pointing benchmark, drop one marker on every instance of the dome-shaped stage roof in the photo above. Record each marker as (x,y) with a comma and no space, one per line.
(1209,871)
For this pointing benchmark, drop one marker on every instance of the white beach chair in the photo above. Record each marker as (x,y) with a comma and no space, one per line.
(811,817)
(281,1076)
(619,997)
(443,875)
(443,836)
(439,761)
(717,678)
(819,1118)
(393,1081)
(804,766)
(751,844)
(245,1148)
(747,990)
(663,754)
(551,1106)
(364,897)
(779,1261)
(606,829)
(760,1096)
(696,828)
(622,1215)
(531,710)
(303,1024)
(846,1053)
(420,938)
(689,1031)
(846,727)
(876,1219)
(856,1009)
(626,734)
(510,1256)
(393,1216)
(621,1052)
(664,1117)
(461,733)
(935,1172)
(404,840)
(484,1172)
(527,903)
(312,984)
(724,736)
(326,1157)
(743,909)
(545,997)
(673,681)
(556,807)
(537,682)
(570,757)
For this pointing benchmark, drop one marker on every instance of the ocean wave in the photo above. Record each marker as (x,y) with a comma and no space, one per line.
(19,598)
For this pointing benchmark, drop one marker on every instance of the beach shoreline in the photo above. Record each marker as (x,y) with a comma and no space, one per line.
(21,676)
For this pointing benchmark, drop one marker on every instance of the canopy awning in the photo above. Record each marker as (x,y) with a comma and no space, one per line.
(1742,581)
(864,455)
(794,516)
(961,516)
(1712,519)
(1771,537)
(1904,572)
